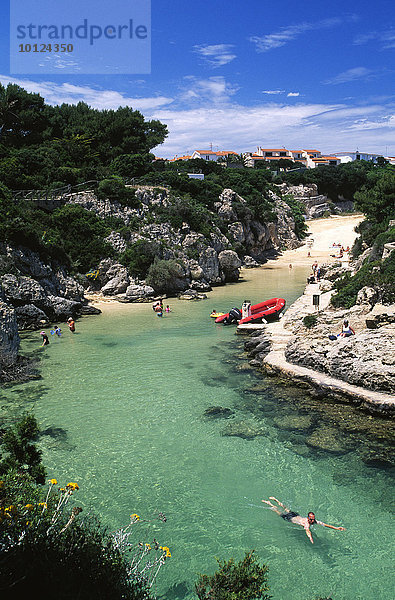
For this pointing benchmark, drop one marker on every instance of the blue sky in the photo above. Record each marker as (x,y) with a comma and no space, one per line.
(238,75)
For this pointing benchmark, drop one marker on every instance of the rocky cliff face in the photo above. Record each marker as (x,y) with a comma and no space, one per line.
(39,292)
(205,260)
(9,337)
(315,205)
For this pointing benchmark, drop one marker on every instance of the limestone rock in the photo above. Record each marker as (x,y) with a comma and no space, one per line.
(30,317)
(249,262)
(230,263)
(191,295)
(135,292)
(328,440)
(9,337)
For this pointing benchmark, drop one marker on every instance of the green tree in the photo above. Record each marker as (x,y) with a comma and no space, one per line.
(244,580)
(378,202)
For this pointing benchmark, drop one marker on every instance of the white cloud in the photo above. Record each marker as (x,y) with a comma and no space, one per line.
(350,75)
(216,55)
(68,93)
(213,90)
(385,39)
(243,128)
(273,92)
(290,94)
(287,34)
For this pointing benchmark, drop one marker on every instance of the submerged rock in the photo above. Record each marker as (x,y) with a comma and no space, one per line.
(216,412)
(247,430)
(294,422)
(328,440)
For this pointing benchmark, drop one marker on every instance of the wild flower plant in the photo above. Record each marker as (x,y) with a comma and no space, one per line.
(146,558)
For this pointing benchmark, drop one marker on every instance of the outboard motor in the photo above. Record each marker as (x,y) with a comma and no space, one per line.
(234,316)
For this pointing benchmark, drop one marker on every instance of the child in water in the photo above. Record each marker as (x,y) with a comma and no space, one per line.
(167,308)
(45,338)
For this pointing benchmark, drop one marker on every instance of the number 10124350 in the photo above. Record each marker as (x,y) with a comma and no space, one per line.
(46,47)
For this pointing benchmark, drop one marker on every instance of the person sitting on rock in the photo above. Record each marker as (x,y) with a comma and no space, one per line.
(294,517)
(346,331)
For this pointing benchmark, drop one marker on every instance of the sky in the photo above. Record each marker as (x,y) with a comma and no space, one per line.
(225,75)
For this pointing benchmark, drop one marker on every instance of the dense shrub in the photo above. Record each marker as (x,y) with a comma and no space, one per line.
(244,580)
(310,321)
(163,275)
(47,551)
(18,451)
(140,255)
(379,275)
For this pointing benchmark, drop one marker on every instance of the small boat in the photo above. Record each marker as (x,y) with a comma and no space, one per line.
(214,315)
(269,310)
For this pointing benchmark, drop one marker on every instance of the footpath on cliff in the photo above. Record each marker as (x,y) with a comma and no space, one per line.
(278,337)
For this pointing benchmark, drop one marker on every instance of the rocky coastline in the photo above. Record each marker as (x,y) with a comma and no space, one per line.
(359,369)
(37,292)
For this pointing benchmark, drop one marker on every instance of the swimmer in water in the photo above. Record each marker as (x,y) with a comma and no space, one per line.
(293,517)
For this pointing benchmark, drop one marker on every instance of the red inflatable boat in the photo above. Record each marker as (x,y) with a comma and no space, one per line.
(267,310)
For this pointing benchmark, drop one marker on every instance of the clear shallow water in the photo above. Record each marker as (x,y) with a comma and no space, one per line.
(122,403)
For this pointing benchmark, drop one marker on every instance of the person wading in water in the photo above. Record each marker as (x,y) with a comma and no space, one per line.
(293,517)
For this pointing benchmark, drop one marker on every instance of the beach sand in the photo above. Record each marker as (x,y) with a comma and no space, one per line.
(335,229)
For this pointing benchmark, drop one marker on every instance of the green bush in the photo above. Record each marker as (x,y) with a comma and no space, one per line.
(115,189)
(163,275)
(48,551)
(310,321)
(18,451)
(140,255)
(379,275)
(244,580)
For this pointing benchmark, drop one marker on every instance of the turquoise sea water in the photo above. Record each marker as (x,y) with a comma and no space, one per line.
(122,402)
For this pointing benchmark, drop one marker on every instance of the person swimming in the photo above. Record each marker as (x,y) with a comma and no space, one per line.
(294,517)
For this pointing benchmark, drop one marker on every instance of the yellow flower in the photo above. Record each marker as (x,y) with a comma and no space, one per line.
(73,486)
(29,506)
(135,517)
(44,504)
(147,547)
(166,551)
(53,481)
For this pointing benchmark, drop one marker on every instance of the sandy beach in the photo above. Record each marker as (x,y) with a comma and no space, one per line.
(324,232)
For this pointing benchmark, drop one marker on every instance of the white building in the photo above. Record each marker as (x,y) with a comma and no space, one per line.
(212,155)
(346,157)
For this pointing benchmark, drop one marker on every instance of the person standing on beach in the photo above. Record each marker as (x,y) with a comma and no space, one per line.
(294,517)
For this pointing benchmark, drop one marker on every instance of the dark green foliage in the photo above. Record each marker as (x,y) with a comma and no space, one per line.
(310,321)
(378,202)
(70,143)
(379,275)
(131,165)
(187,209)
(18,451)
(81,232)
(115,189)
(41,559)
(244,580)
(139,256)
(163,275)
(298,215)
